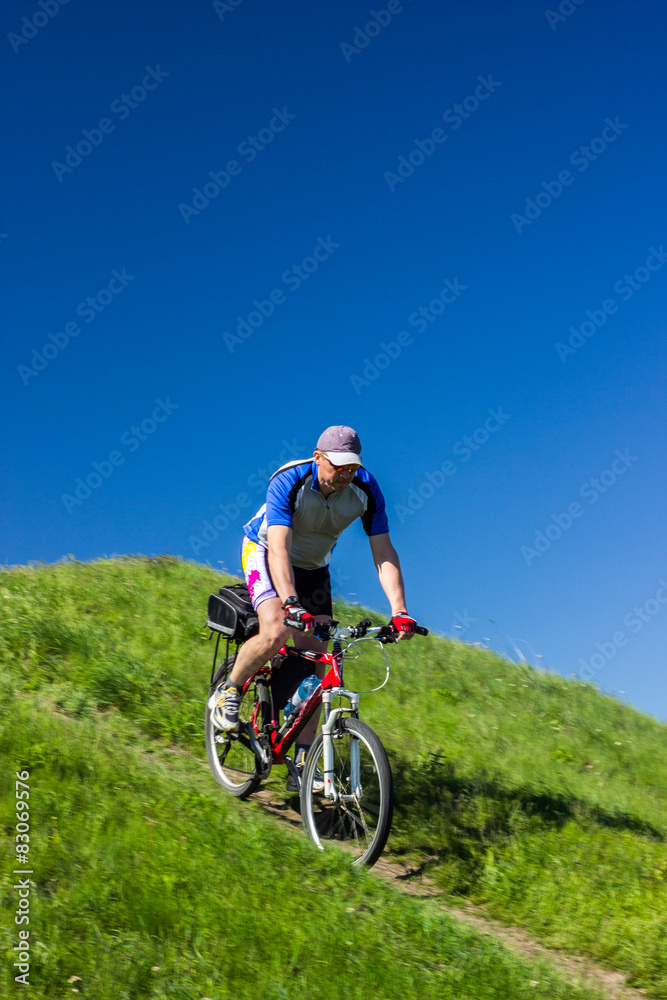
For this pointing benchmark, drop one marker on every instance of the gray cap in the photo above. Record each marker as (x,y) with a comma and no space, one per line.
(340,444)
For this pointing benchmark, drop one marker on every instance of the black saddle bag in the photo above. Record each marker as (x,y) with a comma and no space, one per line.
(230,613)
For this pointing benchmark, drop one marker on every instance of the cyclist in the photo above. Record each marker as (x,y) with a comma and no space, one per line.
(285,556)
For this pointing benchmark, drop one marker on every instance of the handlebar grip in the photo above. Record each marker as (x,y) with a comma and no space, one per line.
(292,624)
(420,630)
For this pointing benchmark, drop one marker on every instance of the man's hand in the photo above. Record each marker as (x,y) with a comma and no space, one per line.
(403,625)
(296,615)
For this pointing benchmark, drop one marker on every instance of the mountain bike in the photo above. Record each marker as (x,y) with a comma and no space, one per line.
(355,810)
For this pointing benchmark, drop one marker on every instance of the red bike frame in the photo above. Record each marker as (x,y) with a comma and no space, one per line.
(281,743)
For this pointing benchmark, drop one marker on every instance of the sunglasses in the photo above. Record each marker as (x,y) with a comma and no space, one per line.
(341,468)
(344,468)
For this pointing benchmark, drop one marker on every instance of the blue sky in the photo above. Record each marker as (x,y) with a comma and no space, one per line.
(257,201)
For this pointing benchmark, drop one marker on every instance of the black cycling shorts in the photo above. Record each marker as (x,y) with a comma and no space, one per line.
(313,588)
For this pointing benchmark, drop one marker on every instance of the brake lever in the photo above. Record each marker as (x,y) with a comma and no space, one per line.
(359,631)
(387,635)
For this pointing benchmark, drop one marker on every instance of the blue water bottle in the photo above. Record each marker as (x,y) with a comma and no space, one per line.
(302,693)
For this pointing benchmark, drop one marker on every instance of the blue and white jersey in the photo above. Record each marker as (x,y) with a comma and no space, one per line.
(294,499)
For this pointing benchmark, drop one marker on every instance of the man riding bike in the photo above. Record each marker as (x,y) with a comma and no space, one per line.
(285,557)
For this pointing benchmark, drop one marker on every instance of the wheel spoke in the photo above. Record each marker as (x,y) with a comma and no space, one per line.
(359,819)
(230,755)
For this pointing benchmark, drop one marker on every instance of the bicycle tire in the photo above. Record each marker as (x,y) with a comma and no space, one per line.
(233,763)
(362,826)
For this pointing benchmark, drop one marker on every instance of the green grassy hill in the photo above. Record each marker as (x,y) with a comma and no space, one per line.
(530,794)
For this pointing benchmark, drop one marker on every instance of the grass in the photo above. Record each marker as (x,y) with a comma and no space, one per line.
(531,794)
(148,882)
(538,797)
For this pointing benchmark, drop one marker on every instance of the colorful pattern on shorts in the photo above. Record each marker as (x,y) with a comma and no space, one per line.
(256,571)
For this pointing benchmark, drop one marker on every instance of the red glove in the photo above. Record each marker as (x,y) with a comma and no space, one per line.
(403,623)
(296,616)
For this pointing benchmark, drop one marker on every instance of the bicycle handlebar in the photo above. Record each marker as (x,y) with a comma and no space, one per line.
(364,630)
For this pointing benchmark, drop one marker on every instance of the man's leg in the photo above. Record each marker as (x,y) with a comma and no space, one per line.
(253,654)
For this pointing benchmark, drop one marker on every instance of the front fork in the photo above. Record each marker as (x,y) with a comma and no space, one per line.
(331,717)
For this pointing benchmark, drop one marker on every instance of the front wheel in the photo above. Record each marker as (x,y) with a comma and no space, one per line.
(231,758)
(360,818)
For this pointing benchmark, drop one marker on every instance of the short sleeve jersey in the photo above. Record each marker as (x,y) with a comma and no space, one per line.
(294,499)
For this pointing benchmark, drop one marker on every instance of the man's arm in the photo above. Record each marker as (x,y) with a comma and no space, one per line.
(279,538)
(388,566)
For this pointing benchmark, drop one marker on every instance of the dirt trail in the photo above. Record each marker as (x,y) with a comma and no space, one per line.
(415,883)
(575,968)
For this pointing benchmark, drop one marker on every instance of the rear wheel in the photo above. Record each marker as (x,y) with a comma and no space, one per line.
(231,758)
(360,819)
